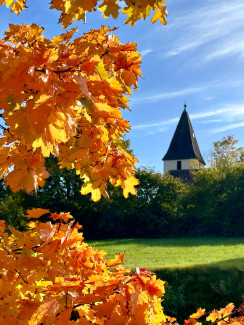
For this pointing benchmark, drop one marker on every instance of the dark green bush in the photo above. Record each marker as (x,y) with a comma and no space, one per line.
(205,287)
(165,207)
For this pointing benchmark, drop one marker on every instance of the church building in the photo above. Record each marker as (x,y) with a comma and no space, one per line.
(183,152)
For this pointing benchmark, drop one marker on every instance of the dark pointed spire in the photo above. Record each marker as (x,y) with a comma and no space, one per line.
(185,106)
(184,143)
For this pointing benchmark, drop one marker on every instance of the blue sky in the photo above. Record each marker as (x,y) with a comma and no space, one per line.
(197,57)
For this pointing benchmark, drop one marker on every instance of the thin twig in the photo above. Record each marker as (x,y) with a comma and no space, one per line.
(5,129)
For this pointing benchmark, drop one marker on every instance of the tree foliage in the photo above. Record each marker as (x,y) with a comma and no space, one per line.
(224,316)
(62,97)
(76,10)
(152,213)
(225,153)
(213,204)
(50,276)
(164,206)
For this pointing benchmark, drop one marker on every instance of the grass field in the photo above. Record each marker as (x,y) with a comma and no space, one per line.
(177,253)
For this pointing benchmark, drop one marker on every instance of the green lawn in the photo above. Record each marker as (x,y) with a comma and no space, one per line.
(177,253)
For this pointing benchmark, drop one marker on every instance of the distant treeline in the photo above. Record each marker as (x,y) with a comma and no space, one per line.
(165,207)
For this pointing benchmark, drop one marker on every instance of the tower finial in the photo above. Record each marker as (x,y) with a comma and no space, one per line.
(185,105)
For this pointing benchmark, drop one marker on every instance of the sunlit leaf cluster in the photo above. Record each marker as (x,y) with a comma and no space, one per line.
(63,97)
(76,9)
(224,316)
(50,276)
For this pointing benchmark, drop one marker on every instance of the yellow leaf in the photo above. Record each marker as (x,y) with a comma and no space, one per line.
(67,5)
(200,312)
(57,135)
(42,99)
(96,195)
(86,188)
(161,15)
(102,72)
(128,186)
(94,189)
(9,2)
(31,224)
(46,150)
(109,9)
(130,13)
(213,316)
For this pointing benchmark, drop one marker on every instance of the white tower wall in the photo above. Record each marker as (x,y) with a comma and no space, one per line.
(172,165)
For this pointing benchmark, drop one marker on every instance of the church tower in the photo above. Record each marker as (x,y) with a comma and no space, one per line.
(183,150)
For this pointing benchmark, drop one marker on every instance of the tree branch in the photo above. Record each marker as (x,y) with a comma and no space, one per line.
(5,129)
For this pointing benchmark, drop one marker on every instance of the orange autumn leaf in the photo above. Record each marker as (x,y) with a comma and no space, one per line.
(45,310)
(227,310)
(61,216)
(2,226)
(36,213)
(199,313)
(213,316)
(119,259)
(191,321)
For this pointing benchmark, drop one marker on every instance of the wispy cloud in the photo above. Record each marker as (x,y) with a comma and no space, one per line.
(228,127)
(207,114)
(157,124)
(169,94)
(209,98)
(157,131)
(210,121)
(233,112)
(218,26)
(225,114)
(233,45)
(146,51)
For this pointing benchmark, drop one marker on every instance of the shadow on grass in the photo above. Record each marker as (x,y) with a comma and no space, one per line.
(206,287)
(211,285)
(235,263)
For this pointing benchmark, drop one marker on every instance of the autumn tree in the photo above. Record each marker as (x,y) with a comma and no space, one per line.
(225,153)
(62,97)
